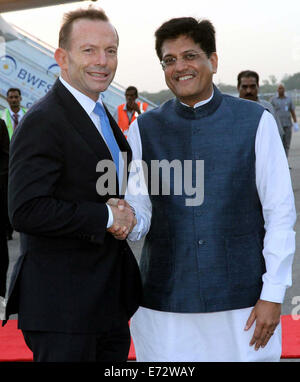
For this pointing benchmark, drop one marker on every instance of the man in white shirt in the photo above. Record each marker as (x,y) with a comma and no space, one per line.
(248,87)
(214,270)
(15,112)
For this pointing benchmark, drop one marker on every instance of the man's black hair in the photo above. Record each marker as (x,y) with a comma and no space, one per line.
(247,74)
(132,88)
(201,32)
(13,90)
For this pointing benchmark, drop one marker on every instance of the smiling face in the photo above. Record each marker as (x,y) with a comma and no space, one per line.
(89,63)
(190,81)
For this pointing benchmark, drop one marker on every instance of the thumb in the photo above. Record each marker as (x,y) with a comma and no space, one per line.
(121,204)
(112,202)
(250,320)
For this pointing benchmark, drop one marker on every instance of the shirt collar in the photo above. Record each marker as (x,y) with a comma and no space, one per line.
(201,103)
(199,112)
(86,102)
(125,108)
(12,112)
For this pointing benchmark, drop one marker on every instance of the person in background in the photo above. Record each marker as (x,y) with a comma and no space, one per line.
(284,109)
(248,87)
(126,113)
(15,112)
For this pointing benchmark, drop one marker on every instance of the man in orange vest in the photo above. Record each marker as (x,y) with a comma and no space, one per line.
(128,112)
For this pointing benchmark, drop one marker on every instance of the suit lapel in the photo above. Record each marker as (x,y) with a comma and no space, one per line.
(80,120)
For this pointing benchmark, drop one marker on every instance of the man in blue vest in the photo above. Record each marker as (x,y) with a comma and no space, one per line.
(214,267)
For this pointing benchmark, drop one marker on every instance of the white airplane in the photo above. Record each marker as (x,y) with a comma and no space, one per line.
(18,5)
(28,64)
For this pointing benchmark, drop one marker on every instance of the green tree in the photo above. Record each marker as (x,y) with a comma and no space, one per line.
(292,82)
(159,97)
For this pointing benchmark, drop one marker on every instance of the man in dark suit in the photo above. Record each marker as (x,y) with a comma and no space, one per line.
(4,153)
(75,286)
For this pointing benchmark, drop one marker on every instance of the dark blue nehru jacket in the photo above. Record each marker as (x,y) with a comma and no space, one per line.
(205,258)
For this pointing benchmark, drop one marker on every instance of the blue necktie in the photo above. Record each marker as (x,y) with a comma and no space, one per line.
(108,134)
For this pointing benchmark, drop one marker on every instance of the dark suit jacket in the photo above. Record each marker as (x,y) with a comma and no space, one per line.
(72,276)
(4,153)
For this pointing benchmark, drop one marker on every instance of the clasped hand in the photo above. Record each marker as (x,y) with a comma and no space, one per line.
(124,219)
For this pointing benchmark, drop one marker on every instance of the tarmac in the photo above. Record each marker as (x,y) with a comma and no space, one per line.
(291,303)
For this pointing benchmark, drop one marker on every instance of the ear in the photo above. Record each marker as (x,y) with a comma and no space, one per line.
(214,62)
(61,58)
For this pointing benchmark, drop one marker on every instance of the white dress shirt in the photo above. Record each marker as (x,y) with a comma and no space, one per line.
(189,336)
(20,114)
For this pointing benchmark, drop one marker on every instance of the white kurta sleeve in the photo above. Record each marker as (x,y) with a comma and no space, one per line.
(276,195)
(137,193)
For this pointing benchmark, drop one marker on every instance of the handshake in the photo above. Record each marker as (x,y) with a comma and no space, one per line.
(124,218)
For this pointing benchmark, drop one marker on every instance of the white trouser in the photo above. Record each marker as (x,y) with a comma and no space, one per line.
(199,337)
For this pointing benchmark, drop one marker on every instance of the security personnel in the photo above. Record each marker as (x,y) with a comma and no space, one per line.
(13,114)
(128,112)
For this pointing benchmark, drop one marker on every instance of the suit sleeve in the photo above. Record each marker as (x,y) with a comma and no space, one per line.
(4,138)
(36,163)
